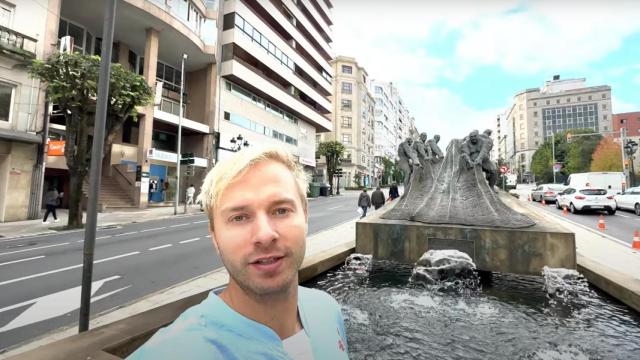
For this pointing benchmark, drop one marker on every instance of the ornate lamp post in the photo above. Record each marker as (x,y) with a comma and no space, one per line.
(630,147)
(238,142)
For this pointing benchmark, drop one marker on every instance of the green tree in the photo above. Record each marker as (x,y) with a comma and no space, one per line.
(72,81)
(332,152)
(357,178)
(542,162)
(579,150)
(387,171)
(607,156)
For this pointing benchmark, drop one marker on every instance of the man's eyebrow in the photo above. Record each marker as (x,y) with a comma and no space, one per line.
(243,207)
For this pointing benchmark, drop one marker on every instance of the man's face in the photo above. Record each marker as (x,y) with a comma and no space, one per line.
(436,138)
(260,228)
(423,137)
(410,141)
(473,137)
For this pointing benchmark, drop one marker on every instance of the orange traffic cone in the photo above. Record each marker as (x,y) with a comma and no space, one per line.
(601,225)
(529,197)
(565,211)
(636,240)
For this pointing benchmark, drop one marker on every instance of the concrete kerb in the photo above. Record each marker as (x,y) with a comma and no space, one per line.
(325,250)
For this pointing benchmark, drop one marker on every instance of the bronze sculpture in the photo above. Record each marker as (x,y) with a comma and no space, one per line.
(407,159)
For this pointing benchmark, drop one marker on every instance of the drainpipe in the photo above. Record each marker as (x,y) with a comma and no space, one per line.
(37,179)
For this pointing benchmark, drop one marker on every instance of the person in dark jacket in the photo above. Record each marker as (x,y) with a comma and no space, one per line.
(377,198)
(51,202)
(393,192)
(364,201)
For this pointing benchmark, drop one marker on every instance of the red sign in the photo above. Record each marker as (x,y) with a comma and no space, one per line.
(55,148)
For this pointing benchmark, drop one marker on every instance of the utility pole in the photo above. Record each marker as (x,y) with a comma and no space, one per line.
(623,140)
(179,154)
(553,155)
(96,163)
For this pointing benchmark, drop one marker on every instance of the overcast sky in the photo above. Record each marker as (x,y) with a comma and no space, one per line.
(458,63)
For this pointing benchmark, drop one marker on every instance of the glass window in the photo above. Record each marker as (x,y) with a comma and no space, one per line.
(248,29)
(256,36)
(272,48)
(239,21)
(346,87)
(346,104)
(77,33)
(264,42)
(6,101)
(62,28)
(346,69)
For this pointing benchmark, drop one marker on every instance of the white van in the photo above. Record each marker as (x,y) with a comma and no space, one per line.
(613,182)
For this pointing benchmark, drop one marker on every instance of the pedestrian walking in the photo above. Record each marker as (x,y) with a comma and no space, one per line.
(51,198)
(364,201)
(393,192)
(377,198)
(191,190)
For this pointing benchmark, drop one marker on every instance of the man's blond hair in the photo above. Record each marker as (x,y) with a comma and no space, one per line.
(228,170)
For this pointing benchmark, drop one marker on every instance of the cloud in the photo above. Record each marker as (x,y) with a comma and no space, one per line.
(619,106)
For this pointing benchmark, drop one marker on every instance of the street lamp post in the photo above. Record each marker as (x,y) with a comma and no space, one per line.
(630,147)
(175,205)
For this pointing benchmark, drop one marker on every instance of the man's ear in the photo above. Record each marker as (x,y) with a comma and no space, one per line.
(213,240)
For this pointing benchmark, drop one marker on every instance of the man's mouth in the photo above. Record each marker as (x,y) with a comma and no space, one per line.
(266,260)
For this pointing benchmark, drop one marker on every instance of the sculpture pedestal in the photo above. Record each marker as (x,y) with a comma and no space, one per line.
(520,251)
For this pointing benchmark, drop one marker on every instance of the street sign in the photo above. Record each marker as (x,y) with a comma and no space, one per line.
(503,169)
(557,167)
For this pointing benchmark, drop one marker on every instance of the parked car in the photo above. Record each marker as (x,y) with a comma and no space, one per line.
(629,199)
(548,192)
(582,199)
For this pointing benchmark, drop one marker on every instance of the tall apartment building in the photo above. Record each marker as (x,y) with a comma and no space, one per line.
(538,113)
(499,135)
(353,122)
(275,75)
(23,37)
(150,39)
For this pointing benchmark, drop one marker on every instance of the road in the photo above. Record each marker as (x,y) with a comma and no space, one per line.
(620,226)
(40,275)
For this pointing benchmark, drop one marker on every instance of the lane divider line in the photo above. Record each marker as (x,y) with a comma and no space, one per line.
(63,269)
(179,225)
(160,247)
(35,248)
(103,237)
(624,216)
(159,228)
(188,241)
(21,260)
(127,233)
(201,221)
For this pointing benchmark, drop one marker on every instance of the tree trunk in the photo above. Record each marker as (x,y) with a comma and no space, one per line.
(75,201)
(78,162)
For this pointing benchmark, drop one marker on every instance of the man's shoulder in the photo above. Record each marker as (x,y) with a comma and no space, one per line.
(315,297)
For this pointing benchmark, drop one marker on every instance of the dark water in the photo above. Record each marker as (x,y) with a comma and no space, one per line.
(512,317)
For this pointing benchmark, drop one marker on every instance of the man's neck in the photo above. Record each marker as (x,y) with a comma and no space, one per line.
(279,312)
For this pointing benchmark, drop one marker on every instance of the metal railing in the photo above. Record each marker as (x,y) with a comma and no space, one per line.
(16,43)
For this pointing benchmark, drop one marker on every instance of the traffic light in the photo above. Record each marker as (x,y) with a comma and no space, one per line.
(338,172)
(187,158)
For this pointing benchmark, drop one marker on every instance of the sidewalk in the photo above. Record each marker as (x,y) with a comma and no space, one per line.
(603,260)
(24,228)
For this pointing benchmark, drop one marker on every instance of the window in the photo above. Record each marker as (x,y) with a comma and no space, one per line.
(568,100)
(535,103)
(579,98)
(169,76)
(557,101)
(604,96)
(346,139)
(590,97)
(604,117)
(346,121)
(346,105)
(346,69)
(346,87)
(535,114)
(378,90)
(604,106)
(548,102)
(6,101)
(6,15)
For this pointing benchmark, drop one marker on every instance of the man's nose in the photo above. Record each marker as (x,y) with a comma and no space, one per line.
(264,231)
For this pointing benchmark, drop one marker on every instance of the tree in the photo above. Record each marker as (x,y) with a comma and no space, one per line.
(357,178)
(387,170)
(607,156)
(72,81)
(542,162)
(332,152)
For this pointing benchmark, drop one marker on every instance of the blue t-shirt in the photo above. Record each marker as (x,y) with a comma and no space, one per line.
(212,330)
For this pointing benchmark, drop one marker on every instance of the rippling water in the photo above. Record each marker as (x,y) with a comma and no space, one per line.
(510,318)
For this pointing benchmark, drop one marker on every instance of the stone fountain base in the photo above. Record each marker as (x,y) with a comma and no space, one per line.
(519,251)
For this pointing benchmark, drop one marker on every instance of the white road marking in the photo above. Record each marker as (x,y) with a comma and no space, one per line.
(335,207)
(179,225)
(82,240)
(103,237)
(188,241)
(64,269)
(54,305)
(127,233)
(624,216)
(154,229)
(160,247)
(21,260)
(208,236)
(198,222)
(35,248)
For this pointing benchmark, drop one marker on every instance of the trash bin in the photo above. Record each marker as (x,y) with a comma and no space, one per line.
(324,190)
(314,190)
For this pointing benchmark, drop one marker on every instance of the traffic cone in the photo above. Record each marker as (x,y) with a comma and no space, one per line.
(529,197)
(565,211)
(636,240)
(601,225)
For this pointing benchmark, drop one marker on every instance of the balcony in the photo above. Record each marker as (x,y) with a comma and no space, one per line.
(16,45)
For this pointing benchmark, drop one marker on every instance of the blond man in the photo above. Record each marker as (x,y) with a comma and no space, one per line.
(257,208)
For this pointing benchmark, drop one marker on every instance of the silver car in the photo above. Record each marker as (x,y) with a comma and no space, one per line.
(548,192)
(629,200)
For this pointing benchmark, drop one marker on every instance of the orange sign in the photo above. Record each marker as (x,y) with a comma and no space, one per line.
(55,148)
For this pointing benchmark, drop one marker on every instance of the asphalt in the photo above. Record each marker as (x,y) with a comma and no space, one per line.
(40,275)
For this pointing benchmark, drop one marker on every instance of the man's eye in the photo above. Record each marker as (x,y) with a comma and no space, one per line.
(237,218)
(282,211)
